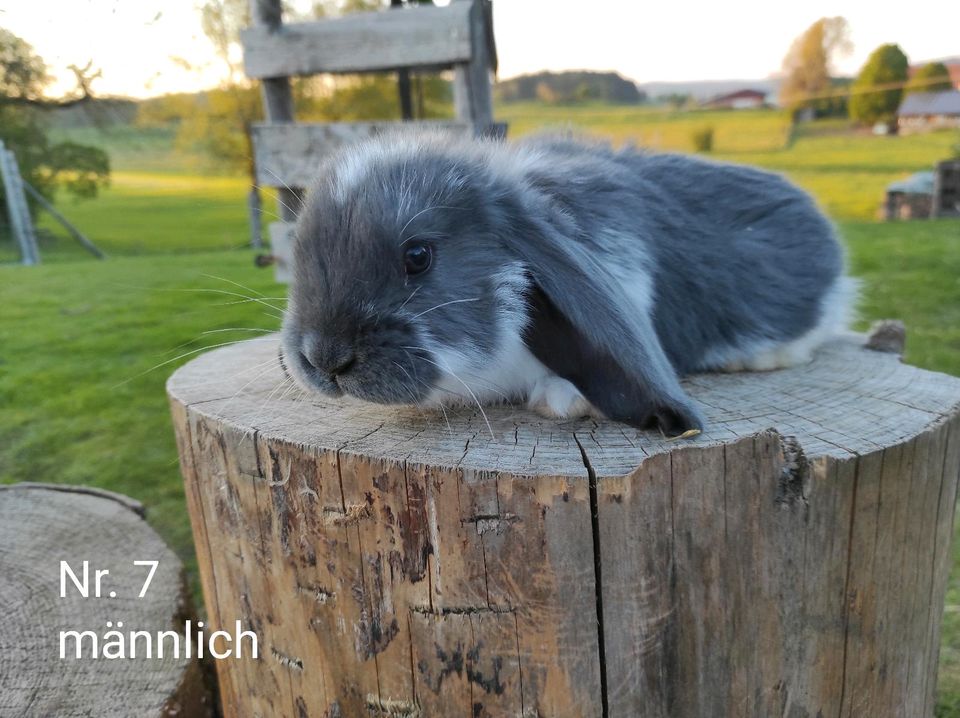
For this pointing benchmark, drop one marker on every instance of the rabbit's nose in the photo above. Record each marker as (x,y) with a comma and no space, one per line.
(332,356)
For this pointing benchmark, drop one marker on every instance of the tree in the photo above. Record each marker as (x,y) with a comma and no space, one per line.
(809,62)
(878,89)
(46,165)
(225,129)
(932,77)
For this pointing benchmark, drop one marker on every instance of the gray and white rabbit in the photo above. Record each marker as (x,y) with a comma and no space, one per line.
(434,269)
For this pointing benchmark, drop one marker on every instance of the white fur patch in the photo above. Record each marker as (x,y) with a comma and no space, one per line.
(556,398)
(631,270)
(836,313)
(509,373)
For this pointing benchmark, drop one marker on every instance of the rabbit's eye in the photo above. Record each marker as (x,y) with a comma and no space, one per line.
(417,259)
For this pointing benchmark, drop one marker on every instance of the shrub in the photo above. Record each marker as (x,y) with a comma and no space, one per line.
(886,68)
(702,139)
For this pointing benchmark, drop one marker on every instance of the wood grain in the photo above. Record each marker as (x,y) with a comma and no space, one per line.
(277,95)
(365,42)
(472,93)
(41,525)
(791,561)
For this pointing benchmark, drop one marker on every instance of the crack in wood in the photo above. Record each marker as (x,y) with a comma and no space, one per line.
(846,587)
(320,595)
(791,490)
(597,569)
(349,516)
(393,708)
(291,662)
(461,610)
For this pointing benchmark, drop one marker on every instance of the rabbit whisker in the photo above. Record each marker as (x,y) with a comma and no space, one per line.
(444,304)
(415,290)
(422,211)
(181,356)
(469,390)
(236,284)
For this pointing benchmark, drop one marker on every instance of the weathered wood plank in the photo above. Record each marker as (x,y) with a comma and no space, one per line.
(291,155)
(472,93)
(363,42)
(17,210)
(267,16)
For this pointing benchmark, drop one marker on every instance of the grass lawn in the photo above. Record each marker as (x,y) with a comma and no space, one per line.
(847,172)
(83,344)
(159,202)
(81,404)
(148,213)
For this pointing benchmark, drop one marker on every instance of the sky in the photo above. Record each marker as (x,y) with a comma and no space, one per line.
(140,45)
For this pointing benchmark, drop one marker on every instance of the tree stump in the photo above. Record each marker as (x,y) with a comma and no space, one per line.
(42,525)
(791,561)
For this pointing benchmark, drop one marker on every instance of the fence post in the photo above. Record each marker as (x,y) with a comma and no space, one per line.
(277,98)
(472,96)
(64,222)
(17,207)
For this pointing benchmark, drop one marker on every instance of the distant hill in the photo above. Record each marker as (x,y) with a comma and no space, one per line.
(705,89)
(566,87)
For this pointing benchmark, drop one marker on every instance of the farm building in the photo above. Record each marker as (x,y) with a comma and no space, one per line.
(929,110)
(740,100)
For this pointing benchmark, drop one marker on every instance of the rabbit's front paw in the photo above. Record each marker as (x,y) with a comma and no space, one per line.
(556,398)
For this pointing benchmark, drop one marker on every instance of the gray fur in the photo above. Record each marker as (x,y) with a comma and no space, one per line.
(658,263)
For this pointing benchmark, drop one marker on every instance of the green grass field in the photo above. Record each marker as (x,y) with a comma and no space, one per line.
(163,198)
(86,346)
(85,350)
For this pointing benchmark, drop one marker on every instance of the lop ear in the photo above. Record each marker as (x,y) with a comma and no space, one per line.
(583,327)
(641,397)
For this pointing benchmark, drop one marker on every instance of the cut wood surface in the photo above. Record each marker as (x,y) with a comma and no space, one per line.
(364,42)
(42,525)
(791,561)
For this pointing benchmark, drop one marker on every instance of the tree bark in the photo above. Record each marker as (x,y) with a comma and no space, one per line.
(791,561)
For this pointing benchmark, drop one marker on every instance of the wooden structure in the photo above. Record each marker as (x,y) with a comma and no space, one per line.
(925,195)
(42,525)
(946,189)
(16,190)
(18,214)
(287,154)
(791,561)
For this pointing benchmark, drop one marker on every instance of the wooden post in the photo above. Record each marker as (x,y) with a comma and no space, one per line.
(472,96)
(946,189)
(277,99)
(403,81)
(17,209)
(64,222)
(255,215)
(791,561)
(42,525)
